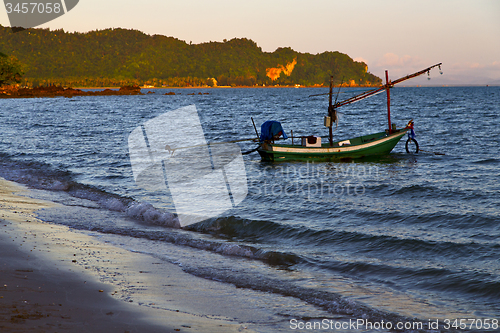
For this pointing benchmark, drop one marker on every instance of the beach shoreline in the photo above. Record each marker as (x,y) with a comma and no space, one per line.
(49,279)
(37,297)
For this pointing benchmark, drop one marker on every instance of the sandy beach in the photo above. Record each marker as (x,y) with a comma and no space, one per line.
(50,280)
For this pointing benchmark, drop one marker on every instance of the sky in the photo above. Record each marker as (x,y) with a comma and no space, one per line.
(401,36)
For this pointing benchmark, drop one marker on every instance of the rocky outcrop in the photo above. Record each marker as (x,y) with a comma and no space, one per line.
(55,91)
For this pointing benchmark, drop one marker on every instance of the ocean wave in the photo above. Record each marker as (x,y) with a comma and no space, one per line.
(432,191)
(44,177)
(327,300)
(189,239)
(267,232)
(488,161)
(233,228)
(451,281)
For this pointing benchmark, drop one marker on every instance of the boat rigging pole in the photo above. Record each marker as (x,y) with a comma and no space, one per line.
(386,86)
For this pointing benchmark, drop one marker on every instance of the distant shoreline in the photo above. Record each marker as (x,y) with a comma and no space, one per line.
(54,91)
(219,87)
(302,87)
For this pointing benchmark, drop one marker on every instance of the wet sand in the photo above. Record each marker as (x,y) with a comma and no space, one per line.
(37,298)
(50,282)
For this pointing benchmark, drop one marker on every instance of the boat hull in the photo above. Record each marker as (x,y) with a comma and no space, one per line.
(376,144)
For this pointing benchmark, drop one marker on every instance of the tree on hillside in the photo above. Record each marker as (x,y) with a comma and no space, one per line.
(114,57)
(10,70)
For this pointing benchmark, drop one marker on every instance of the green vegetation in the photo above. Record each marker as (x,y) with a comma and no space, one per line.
(118,57)
(10,70)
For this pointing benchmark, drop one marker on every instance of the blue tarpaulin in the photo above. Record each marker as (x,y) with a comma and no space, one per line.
(270,129)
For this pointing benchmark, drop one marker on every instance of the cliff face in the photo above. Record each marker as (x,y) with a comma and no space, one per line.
(274,73)
(119,57)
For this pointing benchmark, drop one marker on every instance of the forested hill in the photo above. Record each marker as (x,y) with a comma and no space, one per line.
(116,57)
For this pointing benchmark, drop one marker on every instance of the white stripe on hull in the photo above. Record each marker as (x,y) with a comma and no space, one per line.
(333,149)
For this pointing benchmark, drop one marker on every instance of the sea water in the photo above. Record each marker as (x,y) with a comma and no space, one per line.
(400,237)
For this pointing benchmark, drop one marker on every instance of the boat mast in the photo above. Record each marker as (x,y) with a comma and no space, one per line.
(387,86)
(388,89)
(330,111)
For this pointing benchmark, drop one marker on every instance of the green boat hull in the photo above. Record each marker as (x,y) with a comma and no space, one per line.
(376,144)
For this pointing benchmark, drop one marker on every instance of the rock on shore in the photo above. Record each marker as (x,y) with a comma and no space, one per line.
(54,91)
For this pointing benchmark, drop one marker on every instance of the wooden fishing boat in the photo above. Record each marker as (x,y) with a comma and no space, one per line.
(363,146)
(311,147)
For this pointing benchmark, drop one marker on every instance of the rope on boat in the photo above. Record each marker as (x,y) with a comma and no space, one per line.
(419,149)
(172,150)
